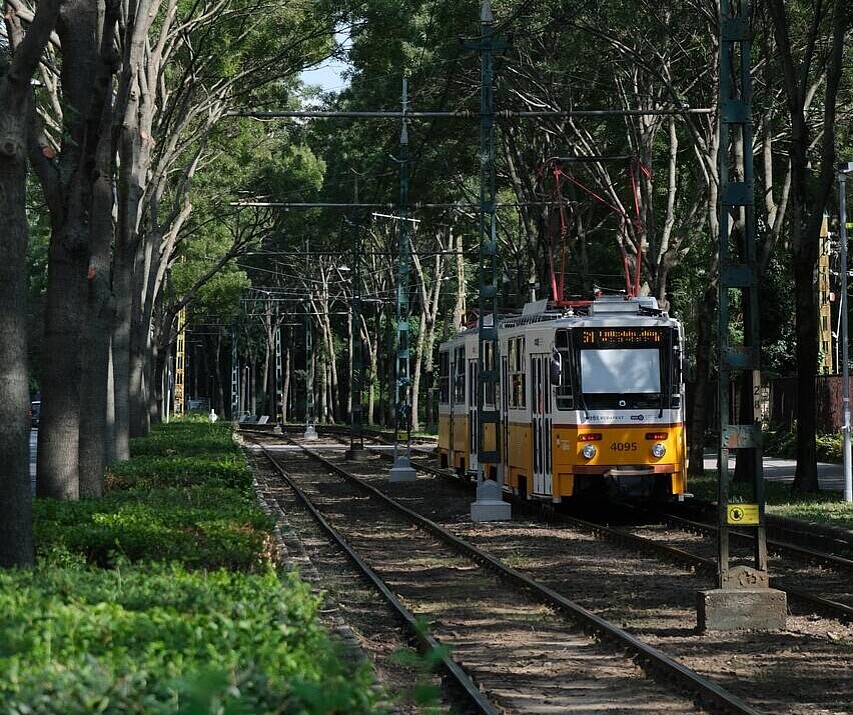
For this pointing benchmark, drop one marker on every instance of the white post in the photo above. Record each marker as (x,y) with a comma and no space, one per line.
(843,170)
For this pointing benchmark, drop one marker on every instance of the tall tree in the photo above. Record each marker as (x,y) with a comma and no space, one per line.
(20,53)
(809,42)
(67,167)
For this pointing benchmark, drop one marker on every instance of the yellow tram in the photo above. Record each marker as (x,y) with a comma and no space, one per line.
(591,401)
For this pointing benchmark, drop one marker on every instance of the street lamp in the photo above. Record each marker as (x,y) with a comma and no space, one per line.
(844,169)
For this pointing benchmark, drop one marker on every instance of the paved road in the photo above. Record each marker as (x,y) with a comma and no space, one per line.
(830,476)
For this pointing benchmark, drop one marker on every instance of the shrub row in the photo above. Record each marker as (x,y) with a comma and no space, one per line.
(165,629)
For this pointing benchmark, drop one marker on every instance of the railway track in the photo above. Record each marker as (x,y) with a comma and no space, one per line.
(835,599)
(472,583)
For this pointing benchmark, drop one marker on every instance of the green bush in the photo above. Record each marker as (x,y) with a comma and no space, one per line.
(149,471)
(198,526)
(166,640)
(782,442)
(185,438)
(166,629)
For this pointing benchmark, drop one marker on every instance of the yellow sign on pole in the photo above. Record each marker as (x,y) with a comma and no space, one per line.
(742,514)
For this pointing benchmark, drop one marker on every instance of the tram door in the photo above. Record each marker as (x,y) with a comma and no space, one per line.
(540,403)
(473,414)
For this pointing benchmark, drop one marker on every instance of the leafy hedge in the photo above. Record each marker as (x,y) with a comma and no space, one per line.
(188,617)
(80,640)
(216,527)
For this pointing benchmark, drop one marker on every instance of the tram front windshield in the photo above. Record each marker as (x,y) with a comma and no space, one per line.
(630,371)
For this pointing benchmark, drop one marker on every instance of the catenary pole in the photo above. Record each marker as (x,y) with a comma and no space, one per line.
(489,504)
(402,470)
(310,431)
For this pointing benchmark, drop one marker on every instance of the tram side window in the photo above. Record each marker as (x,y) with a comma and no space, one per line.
(459,376)
(517,383)
(565,393)
(490,388)
(444,378)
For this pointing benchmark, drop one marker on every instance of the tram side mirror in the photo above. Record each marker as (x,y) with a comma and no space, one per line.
(556,368)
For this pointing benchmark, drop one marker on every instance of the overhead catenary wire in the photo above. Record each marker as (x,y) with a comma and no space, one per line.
(470,114)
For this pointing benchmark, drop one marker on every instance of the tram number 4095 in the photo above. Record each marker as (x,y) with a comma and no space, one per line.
(623,447)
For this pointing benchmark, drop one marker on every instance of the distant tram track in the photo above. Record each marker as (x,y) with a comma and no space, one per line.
(478,599)
(823,591)
(834,601)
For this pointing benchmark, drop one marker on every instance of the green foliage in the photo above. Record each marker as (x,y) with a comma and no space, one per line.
(178,471)
(185,438)
(782,442)
(425,691)
(79,640)
(199,526)
(165,629)
(185,496)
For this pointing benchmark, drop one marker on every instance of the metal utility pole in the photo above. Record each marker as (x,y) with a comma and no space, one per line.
(310,432)
(278,409)
(356,445)
(843,170)
(489,505)
(743,598)
(402,471)
(235,376)
(180,363)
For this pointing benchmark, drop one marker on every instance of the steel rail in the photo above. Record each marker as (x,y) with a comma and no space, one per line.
(426,641)
(778,546)
(647,656)
(829,608)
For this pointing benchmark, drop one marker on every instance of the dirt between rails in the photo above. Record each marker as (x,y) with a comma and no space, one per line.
(527,659)
(805,670)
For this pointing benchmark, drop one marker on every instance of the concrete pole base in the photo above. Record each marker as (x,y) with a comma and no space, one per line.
(356,453)
(310,433)
(402,471)
(490,505)
(733,609)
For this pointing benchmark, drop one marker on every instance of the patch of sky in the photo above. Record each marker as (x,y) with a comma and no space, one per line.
(328,75)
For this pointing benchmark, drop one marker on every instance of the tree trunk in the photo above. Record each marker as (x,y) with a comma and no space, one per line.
(805,260)
(121,357)
(702,386)
(94,453)
(416,371)
(810,191)
(69,186)
(16,115)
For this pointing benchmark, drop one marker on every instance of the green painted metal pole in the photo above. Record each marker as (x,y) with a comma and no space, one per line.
(489,505)
(235,376)
(402,468)
(310,431)
(738,273)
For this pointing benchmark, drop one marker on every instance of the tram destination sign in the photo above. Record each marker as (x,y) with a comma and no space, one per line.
(623,336)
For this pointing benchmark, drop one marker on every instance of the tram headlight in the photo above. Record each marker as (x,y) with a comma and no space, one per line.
(658,450)
(588,451)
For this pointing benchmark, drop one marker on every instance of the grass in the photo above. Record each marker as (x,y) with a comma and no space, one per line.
(823,508)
